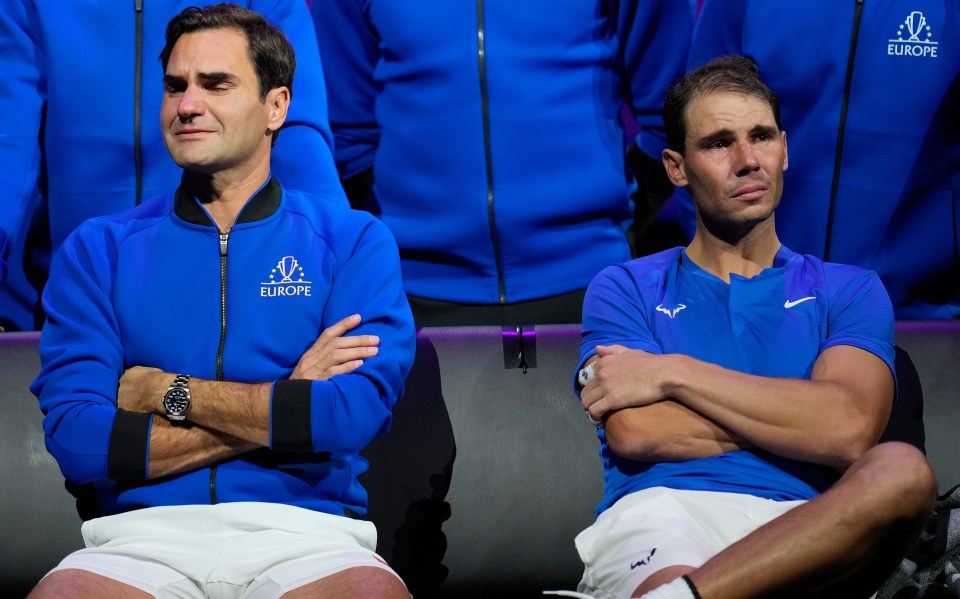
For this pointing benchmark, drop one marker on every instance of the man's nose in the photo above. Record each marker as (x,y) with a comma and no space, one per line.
(746,159)
(190,104)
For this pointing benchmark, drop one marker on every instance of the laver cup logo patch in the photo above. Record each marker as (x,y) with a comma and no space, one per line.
(286,279)
(914,38)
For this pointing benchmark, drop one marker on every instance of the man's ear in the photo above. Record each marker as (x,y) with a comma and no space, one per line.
(674,165)
(786,161)
(278,102)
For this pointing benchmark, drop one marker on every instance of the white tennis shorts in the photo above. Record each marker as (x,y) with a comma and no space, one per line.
(230,550)
(656,528)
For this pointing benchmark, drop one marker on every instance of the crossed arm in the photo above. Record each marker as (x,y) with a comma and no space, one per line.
(230,418)
(673,407)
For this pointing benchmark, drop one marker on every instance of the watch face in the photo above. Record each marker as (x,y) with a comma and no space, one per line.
(176,401)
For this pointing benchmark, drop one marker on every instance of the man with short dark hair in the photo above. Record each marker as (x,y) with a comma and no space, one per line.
(870,92)
(740,388)
(66,160)
(184,388)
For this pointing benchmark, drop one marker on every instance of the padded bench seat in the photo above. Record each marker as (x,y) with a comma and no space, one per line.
(488,474)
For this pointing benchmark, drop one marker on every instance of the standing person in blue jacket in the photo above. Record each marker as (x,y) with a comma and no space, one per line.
(225,461)
(870,92)
(489,132)
(740,388)
(72,160)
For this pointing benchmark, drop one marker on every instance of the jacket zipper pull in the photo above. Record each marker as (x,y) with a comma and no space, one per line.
(223,243)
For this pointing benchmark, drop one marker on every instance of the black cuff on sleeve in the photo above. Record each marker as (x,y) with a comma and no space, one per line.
(290,416)
(127,455)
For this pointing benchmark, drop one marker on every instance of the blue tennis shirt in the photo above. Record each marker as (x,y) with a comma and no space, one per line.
(774,324)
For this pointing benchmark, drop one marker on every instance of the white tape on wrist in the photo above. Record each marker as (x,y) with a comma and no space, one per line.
(586,373)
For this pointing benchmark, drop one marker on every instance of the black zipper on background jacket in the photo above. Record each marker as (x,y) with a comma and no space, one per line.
(838,157)
(224,239)
(137,93)
(491,217)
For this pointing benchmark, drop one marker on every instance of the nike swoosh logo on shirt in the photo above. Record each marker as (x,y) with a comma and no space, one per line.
(788,304)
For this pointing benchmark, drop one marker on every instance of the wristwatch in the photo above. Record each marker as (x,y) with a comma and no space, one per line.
(176,401)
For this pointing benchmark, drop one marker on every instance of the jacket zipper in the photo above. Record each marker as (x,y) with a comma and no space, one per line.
(838,157)
(491,217)
(224,239)
(137,92)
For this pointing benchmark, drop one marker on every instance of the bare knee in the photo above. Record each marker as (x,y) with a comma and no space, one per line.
(897,479)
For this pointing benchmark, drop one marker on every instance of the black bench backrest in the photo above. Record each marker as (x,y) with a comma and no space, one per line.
(483,483)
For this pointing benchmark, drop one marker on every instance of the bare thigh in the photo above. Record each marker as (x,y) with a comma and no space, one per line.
(69,584)
(660,578)
(363,582)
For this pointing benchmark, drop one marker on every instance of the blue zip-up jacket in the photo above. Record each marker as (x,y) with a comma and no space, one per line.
(151,287)
(882,78)
(70,72)
(492,129)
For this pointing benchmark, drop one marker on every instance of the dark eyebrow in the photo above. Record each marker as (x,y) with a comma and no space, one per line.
(725,134)
(218,76)
(764,130)
(709,139)
(178,82)
(173,81)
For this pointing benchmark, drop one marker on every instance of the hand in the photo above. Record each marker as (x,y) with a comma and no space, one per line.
(141,389)
(624,378)
(334,354)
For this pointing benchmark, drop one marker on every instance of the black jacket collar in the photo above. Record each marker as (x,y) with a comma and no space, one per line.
(263,204)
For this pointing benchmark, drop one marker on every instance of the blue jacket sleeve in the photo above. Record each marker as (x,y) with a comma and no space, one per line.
(654,37)
(81,361)
(303,155)
(343,414)
(719,31)
(22,97)
(349,50)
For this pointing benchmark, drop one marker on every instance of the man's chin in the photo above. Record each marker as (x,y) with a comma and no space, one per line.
(196,165)
(732,228)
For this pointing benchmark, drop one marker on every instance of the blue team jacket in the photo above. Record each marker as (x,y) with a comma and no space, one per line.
(70,77)
(160,286)
(492,129)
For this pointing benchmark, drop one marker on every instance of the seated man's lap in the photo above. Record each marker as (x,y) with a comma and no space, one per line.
(656,528)
(226,550)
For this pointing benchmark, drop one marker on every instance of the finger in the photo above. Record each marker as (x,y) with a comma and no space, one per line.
(339,328)
(598,409)
(344,368)
(343,356)
(357,341)
(610,350)
(590,394)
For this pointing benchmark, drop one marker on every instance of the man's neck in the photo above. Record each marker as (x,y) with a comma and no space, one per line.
(746,258)
(224,194)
